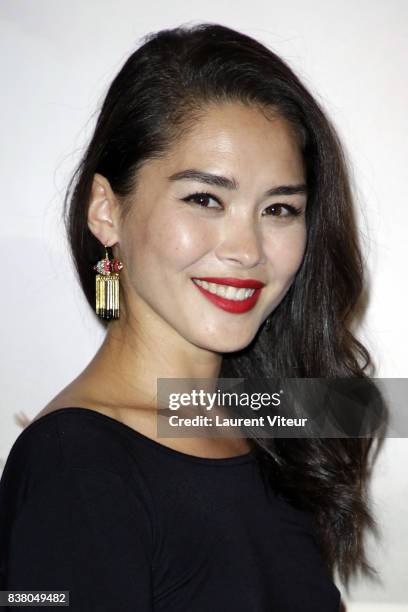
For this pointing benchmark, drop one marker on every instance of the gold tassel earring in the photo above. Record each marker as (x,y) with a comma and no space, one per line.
(107,287)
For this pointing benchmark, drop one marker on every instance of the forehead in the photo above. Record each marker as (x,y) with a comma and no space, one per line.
(230,123)
(238,134)
(233,140)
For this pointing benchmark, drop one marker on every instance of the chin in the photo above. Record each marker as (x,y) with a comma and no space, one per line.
(225,344)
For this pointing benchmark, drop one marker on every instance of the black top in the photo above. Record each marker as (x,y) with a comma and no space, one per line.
(126,524)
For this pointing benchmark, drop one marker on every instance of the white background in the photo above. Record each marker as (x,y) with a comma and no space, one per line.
(58,59)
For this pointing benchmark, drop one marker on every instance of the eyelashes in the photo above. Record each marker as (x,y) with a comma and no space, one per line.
(201,196)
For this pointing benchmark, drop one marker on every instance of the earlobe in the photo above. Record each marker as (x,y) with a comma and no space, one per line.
(101,211)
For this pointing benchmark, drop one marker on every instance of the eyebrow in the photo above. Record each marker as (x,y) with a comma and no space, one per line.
(227,183)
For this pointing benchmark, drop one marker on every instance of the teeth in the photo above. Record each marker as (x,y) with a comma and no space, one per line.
(226,291)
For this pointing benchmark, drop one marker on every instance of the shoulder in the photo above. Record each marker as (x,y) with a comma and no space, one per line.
(75,445)
(71,437)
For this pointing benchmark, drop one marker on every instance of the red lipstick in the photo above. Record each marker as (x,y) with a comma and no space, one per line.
(233,306)
(249,283)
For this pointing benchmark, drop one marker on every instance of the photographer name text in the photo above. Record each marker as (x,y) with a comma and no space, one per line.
(217,421)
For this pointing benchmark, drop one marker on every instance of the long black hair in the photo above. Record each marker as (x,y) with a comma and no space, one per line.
(155,98)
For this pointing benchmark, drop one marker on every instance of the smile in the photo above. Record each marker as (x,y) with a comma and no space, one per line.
(235,299)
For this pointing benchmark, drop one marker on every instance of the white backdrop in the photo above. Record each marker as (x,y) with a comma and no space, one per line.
(57,60)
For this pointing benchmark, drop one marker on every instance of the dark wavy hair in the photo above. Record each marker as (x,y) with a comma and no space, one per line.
(155,98)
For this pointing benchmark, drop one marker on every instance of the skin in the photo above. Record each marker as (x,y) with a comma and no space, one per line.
(169,329)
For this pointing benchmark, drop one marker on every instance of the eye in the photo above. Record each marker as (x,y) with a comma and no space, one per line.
(291,211)
(201,198)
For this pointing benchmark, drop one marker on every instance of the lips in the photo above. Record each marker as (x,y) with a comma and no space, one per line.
(233,306)
(249,283)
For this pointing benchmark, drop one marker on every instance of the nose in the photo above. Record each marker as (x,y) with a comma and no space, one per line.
(240,243)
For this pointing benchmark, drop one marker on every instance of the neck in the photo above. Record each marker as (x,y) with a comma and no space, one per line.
(125,369)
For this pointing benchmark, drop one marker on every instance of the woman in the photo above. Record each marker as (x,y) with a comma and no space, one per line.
(209,160)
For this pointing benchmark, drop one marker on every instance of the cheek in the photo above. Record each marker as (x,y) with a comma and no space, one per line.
(170,243)
(284,250)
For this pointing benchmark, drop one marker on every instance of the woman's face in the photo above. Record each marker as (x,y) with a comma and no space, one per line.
(237,230)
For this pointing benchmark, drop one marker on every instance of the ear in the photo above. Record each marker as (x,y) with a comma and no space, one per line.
(103,212)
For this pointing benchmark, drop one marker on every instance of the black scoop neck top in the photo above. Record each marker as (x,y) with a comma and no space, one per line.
(91,506)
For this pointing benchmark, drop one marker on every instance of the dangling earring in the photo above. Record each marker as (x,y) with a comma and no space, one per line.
(107,286)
